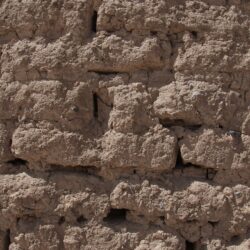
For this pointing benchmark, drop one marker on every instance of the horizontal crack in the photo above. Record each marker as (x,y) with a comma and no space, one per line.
(193,127)
(105,72)
(85,170)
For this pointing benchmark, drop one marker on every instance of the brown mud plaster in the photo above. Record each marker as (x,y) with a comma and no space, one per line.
(124,124)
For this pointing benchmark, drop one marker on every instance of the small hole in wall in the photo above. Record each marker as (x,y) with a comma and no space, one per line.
(194,127)
(94,22)
(7,241)
(153,33)
(235,240)
(75,108)
(61,220)
(190,245)
(116,215)
(17,162)
(194,34)
(179,160)
(166,123)
(213,223)
(81,219)
(18,219)
(210,174)
(162,218)
(95,105)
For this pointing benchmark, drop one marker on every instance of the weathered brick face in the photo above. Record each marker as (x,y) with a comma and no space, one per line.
(124,124)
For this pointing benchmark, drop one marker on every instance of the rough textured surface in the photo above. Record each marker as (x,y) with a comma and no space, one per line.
(124,124)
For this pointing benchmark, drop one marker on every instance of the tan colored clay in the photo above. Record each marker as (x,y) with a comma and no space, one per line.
(124,124)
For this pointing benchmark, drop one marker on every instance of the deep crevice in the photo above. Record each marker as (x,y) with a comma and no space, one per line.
(116,215)
(95,105)
(162,218)
(180,164)
(193,127)
(94,22)
(17,220)
(179,161)
(96,99)
(179,122)
(73,169)
(153,33)
(17,162)
(81,219)
(7,241)
(82,170)
(190,245)
(105,72)
(61,220)
(235,240)
(213,223)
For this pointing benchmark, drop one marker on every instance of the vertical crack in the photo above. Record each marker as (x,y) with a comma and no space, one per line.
(179,161)
(95,105)
(190,245)
(7,240)
(94,22)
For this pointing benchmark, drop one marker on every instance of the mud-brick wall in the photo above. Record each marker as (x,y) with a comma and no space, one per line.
(124,125)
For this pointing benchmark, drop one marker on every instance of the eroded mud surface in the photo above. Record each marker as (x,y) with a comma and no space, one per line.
(124,124)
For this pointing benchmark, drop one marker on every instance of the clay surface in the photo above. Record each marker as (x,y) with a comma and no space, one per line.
(124,124)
